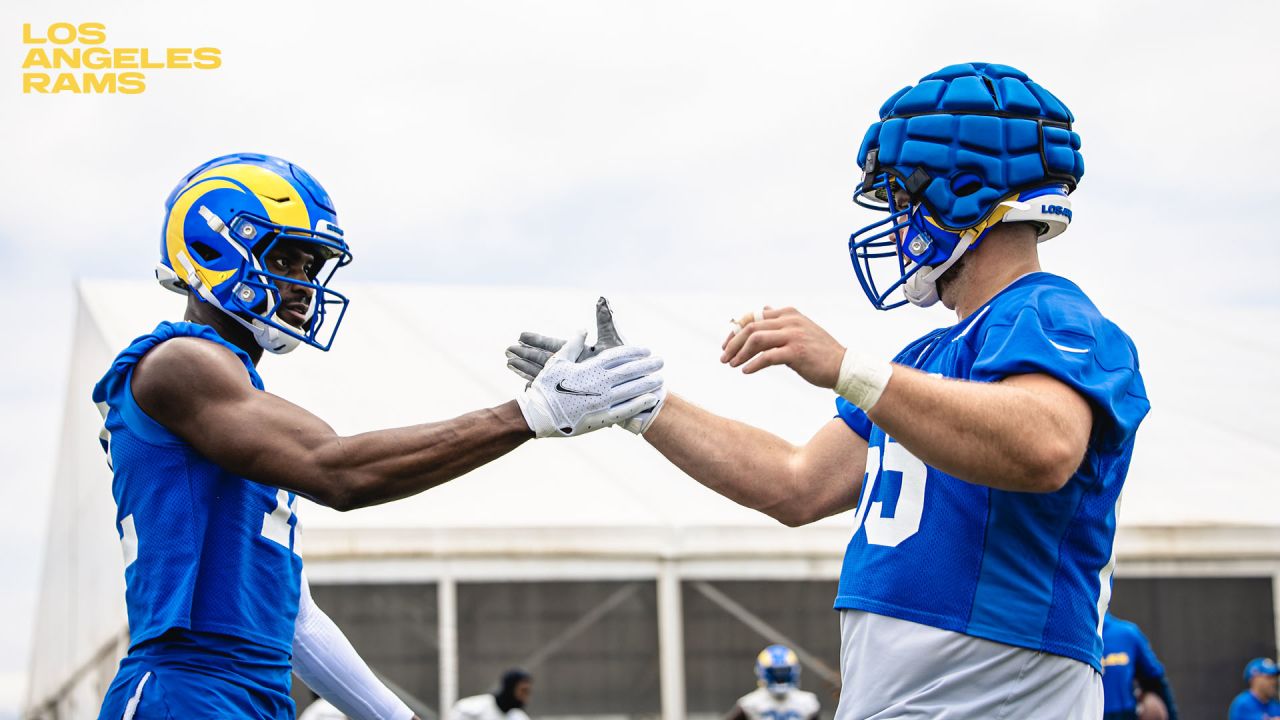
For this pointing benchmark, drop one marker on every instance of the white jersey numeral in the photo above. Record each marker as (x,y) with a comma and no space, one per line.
(905,522)
(275,527)
(275,524)
(1104,577)
(104,436)
(128,540)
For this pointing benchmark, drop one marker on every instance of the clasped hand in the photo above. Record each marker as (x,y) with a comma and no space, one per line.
(537,356)
(574,390)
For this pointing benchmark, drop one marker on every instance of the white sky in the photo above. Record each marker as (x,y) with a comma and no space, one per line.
(597,143)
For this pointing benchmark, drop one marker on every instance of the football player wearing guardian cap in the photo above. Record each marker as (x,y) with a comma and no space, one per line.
(208,466)
(986,459)
(779,696)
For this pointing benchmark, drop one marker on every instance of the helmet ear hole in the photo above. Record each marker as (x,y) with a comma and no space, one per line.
(965,183)
(206,252)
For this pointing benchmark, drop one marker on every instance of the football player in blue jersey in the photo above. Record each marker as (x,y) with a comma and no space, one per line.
(1259,701)
(208,465)
(1127,658)
(985,461)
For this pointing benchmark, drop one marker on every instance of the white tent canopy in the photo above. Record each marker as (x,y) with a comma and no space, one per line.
(1201,494)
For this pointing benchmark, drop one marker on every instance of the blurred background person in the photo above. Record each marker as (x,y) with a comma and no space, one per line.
(778,696)
(506,702)
(1259,701)
(1127,659)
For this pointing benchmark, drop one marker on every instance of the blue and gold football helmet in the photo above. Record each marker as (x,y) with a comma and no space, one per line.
(968,147)
(221,223)
(778,669)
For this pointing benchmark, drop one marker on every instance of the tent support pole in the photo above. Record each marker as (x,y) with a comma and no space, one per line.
(447,630)
(671,641)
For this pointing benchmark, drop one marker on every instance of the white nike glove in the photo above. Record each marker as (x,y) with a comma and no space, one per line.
(528,357)
(571,397)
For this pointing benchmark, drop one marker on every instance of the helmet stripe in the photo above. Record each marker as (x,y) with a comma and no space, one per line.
(283,201)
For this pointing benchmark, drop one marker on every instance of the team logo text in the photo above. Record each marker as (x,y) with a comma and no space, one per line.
(74,59)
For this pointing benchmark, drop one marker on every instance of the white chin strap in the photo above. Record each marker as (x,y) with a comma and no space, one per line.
(272,339)
(921,289)
(1052,213)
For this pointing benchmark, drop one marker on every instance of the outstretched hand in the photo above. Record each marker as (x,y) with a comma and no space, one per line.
(784,337)
(529,357)
(573,397)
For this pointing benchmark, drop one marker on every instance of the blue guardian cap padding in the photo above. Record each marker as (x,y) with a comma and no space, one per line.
(970,146)
(969,136)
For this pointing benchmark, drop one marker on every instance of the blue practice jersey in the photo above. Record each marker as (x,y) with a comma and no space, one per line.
(1126,657)
(1248,707)
(205,550)
(1031,570)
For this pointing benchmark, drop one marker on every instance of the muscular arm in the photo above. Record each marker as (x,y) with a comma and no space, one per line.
(793,484)
(201,392)
(1026,433)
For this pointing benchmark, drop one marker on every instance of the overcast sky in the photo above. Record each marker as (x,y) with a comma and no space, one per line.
(597,143)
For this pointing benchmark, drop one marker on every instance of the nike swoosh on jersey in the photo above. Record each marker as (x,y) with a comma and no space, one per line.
(570,391)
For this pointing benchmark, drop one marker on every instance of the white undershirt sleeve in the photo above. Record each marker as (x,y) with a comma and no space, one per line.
(326,662)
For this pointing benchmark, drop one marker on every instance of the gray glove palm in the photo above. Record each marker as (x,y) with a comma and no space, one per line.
(573,397)
(531,354)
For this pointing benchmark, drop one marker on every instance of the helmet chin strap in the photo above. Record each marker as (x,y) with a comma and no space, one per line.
(281,342)
(921,289)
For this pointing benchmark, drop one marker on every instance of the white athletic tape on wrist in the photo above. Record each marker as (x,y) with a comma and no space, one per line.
(862,379)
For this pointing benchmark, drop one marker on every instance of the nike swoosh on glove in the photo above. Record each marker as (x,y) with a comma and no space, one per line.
(572,397)
(528,357)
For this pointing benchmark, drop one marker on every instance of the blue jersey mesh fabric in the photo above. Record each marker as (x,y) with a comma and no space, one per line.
(205,549)
(1026,569)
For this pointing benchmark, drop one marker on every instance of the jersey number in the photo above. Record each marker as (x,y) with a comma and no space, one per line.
(905,522)
(275,524)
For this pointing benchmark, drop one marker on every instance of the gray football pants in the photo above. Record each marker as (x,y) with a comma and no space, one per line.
(898,670)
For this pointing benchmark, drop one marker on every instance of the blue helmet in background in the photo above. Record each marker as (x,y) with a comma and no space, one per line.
(224,219)
(778,669)
(970,146)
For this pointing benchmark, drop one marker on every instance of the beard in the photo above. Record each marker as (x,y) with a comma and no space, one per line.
(950,280)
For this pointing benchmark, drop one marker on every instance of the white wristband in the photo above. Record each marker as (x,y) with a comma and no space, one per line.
(862,380)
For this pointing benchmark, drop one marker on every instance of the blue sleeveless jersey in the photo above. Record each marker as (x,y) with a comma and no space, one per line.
(1025,569)
(205,550)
